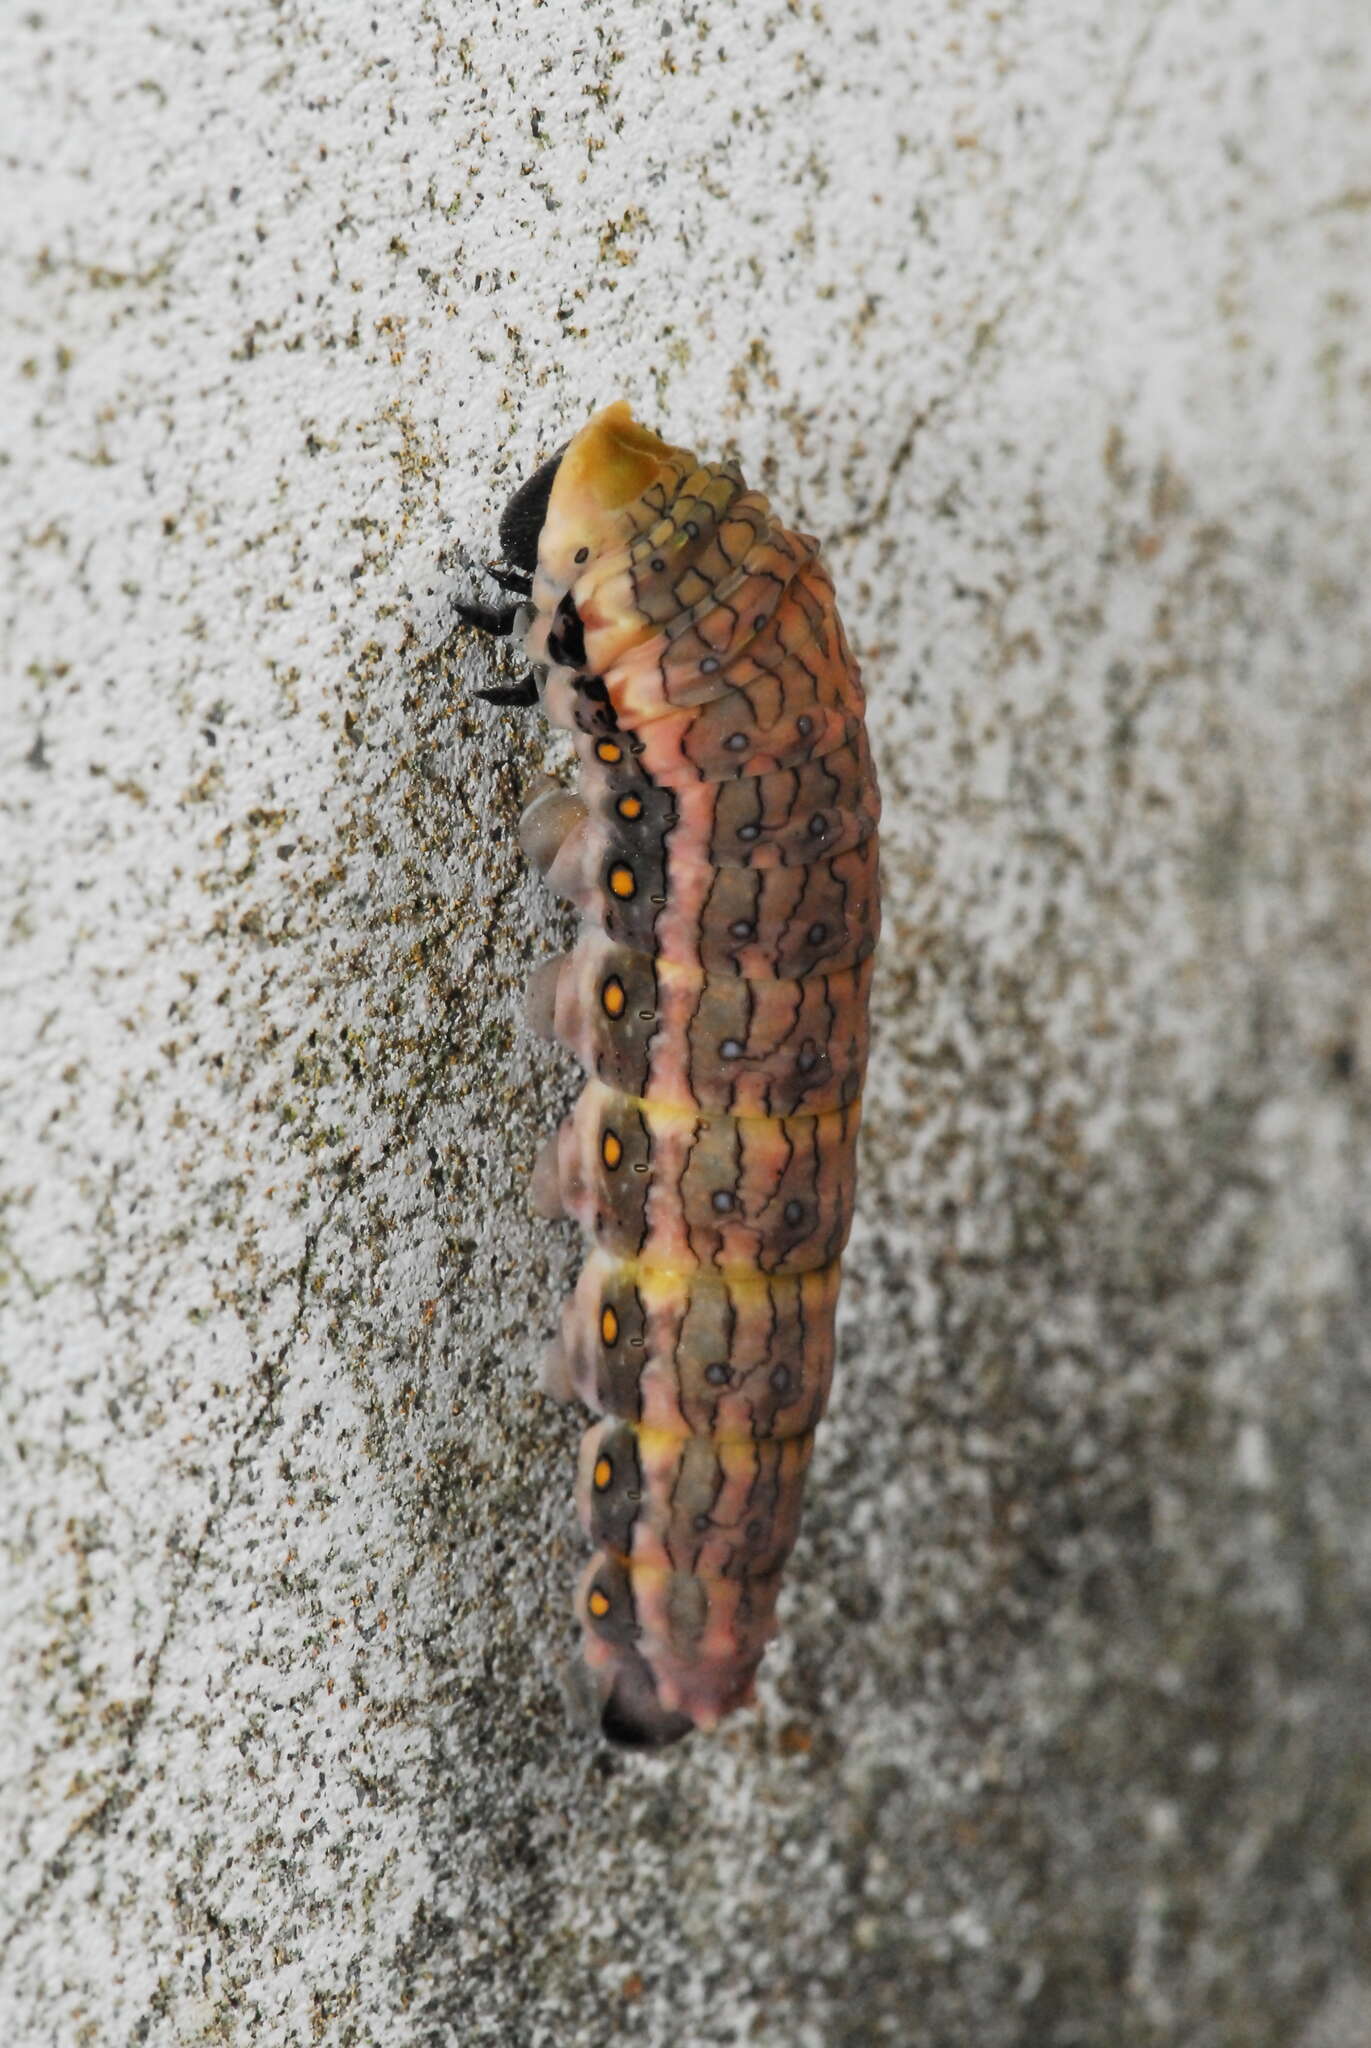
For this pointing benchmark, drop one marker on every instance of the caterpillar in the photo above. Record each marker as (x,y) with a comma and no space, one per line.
(721,849)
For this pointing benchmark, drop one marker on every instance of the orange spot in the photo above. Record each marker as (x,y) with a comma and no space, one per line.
(611,1151)
(607,751)
(612,997)
(604,1472)
(598,1603)
(630,807)
(609,1325)
(621,880)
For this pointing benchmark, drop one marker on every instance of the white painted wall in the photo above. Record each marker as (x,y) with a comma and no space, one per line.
(1052,317)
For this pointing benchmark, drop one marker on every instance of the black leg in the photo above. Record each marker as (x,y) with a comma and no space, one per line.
(524,694)
(485,619)
(510,579)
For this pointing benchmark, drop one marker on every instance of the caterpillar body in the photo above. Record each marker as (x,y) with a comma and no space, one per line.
(721,848)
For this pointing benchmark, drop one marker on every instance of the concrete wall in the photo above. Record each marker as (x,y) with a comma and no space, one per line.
(1052,317)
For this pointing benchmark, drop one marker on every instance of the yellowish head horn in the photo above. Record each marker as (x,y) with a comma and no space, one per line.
(613,460)
(600,483)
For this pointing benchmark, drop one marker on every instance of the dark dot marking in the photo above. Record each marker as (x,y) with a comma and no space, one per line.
(692,529)
(816,934)
(741,929)
(657,563)
(794,1212)
(722,1200)
(567,641)
(732,1049)
(780,1379)
(709,665)
(804,725)
(703,1522)
(749,832)
(735,742)
(818,825)
(759,622)
(809,1057)
(582,554)
(718,1375)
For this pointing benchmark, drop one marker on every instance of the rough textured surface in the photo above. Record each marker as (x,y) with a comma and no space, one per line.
(1053,318)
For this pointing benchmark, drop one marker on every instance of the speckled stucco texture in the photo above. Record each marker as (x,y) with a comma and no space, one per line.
(1053,320)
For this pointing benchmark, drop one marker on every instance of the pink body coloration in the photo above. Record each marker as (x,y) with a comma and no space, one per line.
(722,851)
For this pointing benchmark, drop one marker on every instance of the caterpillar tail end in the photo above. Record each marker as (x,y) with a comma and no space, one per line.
(631,1714)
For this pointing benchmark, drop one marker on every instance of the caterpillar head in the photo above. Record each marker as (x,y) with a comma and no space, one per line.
(522,519)
(584,500)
